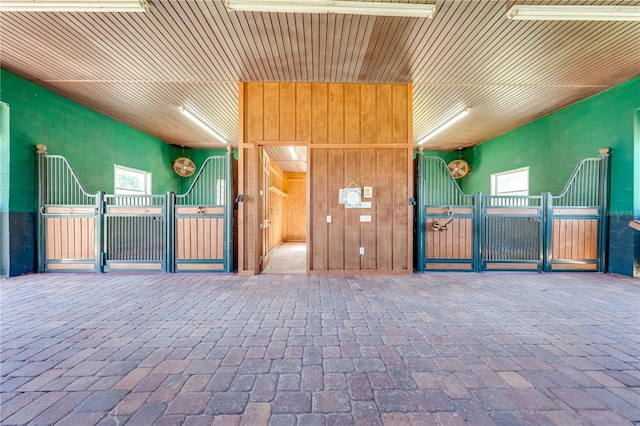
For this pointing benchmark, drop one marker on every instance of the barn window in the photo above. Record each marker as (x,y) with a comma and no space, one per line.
(512,182)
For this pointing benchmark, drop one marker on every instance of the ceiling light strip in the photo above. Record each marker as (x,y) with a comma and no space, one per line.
(193,117)
(457,116)
(341,7)
(574,13)
(292,151)
(74,6)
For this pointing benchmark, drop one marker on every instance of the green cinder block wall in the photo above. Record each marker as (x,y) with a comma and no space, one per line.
(553,145)
(92,143)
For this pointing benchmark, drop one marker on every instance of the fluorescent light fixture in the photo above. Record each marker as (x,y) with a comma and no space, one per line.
(292,150)
(574,13)
(199,121)
(457,116)
(74,6)
(334,6)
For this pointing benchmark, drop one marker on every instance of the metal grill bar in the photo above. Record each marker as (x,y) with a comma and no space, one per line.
(209,186)
(441,188)
(62,184)
(582,188)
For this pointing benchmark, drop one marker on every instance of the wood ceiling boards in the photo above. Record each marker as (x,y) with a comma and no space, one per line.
(138,68)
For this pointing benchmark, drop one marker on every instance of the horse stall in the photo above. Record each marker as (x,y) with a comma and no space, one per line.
(78,231)
(457,231)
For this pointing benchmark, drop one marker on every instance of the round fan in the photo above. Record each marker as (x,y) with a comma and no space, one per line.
(458,168)
(184,167)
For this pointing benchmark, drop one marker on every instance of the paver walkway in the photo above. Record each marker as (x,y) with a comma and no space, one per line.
(195,349)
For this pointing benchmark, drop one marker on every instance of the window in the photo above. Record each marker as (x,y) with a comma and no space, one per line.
(513,182)
(131,181)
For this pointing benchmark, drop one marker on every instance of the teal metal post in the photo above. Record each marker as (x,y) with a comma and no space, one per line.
(603,200)
(99,248)
(547,231)
(42,194)
(478,227)
(170,232)
(421,243)
(228,211)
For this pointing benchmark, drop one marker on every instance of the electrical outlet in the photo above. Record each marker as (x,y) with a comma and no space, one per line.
(328,219)
(361,250)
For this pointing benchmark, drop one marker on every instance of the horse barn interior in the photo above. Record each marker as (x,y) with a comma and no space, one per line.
(300,111)
(319,212)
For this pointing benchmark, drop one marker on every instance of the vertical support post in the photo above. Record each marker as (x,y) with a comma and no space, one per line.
(547,231)
(421,243)
(478,232)
(41,150)
(603,201)
(99,248)
(228,211)
(170,232)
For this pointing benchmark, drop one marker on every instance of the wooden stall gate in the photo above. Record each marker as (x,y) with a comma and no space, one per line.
(69,221)
(461,232)
(204,220)
(78,231)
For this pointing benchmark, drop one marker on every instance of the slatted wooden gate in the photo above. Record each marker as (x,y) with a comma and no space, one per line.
(78,231)
(456,231)
(68,220)
(204,221)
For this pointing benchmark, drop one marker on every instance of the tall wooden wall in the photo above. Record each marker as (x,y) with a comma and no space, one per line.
(356,134)
(295,207)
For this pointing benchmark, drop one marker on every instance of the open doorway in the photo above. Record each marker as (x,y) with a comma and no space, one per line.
(283,209)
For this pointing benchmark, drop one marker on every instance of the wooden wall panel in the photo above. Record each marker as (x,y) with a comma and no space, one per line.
(368,113)
(352,117)
(319,243)
(277,198)
(368,229)
(295,207)
(351,216)
(384,209)
(357,134)
(303,111)
(401,109)
(319,112)
(384,119)
(401,183)
(335,209)
(336,113)
(271,112)
(287,112)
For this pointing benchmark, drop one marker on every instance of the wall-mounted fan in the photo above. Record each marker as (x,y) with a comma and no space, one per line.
(184,166)
(458,168)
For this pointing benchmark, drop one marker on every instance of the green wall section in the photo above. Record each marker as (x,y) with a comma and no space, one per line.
(5,156)
(552,147)
(91,142)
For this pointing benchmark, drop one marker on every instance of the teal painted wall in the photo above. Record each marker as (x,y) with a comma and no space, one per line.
(5,156)
(4,189)
(552,146)
(92,143)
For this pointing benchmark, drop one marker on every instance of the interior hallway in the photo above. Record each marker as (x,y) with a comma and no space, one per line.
(288,258)
(221,349)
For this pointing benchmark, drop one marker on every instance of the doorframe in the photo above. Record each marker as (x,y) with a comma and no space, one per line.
(258,146)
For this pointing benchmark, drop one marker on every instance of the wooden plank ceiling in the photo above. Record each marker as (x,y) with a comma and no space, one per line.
(138,68)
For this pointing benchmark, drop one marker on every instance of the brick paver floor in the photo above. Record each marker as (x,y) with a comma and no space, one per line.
(430,349)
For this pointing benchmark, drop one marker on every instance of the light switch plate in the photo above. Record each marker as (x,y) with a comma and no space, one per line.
(328,219)
(361,250)
(365,218)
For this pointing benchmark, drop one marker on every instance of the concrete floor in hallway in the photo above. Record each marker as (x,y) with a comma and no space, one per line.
(292,349)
